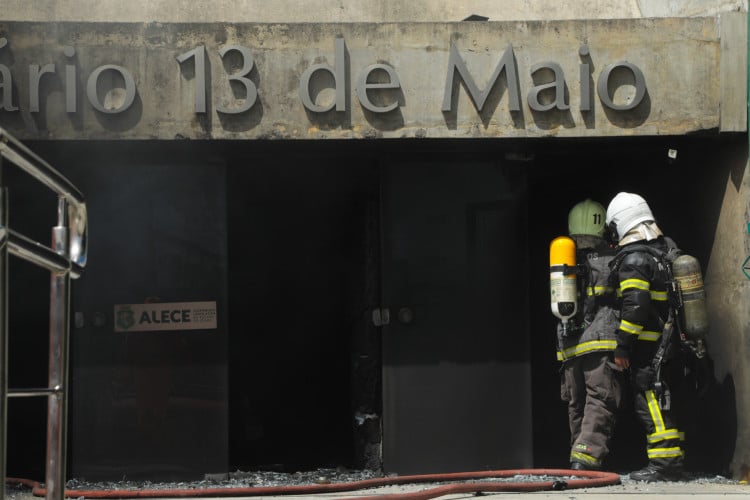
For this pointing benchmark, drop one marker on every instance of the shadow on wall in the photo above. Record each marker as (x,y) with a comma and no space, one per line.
(712,430)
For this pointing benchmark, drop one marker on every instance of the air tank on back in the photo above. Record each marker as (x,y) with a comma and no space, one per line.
(693,314)
(562,279)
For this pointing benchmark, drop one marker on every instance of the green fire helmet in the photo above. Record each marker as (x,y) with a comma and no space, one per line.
(587,217)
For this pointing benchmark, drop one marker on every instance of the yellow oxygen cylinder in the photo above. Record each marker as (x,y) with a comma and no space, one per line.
(693,314)
(562,278)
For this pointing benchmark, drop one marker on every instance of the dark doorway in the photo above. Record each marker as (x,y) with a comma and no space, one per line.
(298,250)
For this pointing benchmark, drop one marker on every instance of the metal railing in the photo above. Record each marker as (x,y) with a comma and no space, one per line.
(65,258)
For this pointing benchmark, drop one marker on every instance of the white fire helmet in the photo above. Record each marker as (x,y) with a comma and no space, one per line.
(625,211)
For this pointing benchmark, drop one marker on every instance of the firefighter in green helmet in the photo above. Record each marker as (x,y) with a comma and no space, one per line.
(591,381)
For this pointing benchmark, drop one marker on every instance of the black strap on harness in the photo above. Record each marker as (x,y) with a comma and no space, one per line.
(566,269)
(664,257)
(674,301)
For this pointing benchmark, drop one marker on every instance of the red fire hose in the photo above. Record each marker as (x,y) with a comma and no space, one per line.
(461,482)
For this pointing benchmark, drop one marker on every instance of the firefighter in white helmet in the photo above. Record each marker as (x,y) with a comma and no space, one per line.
(591,380)
(642,280)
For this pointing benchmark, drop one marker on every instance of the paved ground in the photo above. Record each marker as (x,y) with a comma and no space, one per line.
(629,490)
(708,488)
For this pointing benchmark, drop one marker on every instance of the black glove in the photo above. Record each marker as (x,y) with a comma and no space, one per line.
(645,378)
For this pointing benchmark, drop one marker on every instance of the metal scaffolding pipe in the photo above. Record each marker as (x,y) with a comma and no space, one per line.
(3,333)
(33,392)
(59,333)
(15,152)
(42,256)
(65,260)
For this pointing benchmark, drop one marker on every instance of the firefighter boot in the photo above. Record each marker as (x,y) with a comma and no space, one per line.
(652,474)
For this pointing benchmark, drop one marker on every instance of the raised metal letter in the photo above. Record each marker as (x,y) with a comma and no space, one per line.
(602,86)
(6,85)
(363,86)
(200,75)
(338,71)
(70,82)
(35,74)
(94,81)
(507,62)
(585,75)
(251,92)
(558,84)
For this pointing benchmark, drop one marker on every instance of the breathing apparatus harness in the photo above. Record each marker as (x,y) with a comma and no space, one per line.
(670,326)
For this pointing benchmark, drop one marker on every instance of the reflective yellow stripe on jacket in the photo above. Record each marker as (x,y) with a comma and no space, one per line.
(586,347)
(655,295)
(635,329)
(635,283)
(649,336)
(599,290)
(627,326)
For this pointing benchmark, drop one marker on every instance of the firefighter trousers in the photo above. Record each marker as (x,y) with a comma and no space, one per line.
(592,387)
(663,439)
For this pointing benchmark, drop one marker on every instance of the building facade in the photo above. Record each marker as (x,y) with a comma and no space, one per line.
(320,238)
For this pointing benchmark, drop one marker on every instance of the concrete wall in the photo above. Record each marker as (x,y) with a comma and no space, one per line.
(289,11)
(728,295)
(526,79)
